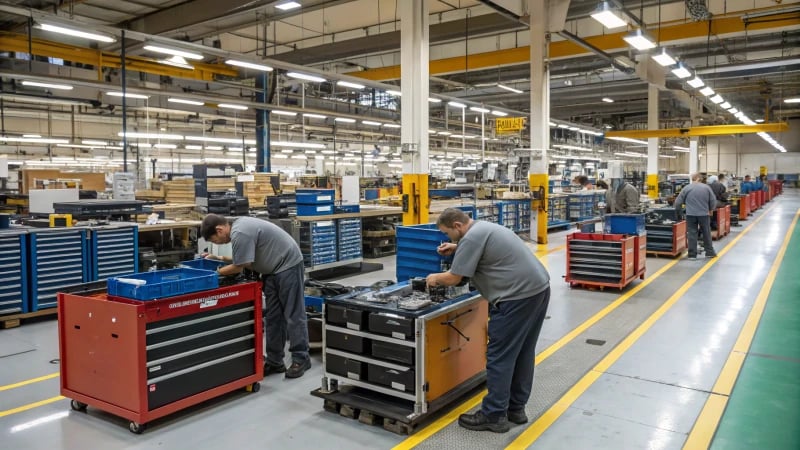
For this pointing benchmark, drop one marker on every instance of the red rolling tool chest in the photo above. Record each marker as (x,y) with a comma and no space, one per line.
(142,360)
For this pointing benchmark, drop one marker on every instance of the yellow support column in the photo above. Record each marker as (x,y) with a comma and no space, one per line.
(652,185)
(416,202)
(539,186)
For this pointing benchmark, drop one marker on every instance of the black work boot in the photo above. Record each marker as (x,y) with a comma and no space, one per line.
(297,369)
(479,422)
(270,368)
(518,417)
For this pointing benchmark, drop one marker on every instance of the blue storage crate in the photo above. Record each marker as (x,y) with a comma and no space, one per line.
(313,304)
(163,283)
(314,210)
(203,264)
(624,224)
(348,209)
(315,196)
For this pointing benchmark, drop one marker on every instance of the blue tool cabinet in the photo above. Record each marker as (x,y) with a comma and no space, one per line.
(114,251)
(349,245)
(13,272)
(58,259)
(416,251)
(318,242)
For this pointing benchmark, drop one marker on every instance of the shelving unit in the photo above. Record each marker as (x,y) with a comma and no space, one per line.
(349,239)
(13,272)
(114,251)
(581,205)
(557,213)
(58,258)
(317,242)
(402,365)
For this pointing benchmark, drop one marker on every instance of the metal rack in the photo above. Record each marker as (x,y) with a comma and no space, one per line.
(557,210)
(349,238)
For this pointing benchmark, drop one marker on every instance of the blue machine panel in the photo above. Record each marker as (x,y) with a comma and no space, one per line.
(114,251)
(13,273)
(57,258)
(416,251)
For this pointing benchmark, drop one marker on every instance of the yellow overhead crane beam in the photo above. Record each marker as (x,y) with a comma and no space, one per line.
(608,42)
(11,42)
(711,130)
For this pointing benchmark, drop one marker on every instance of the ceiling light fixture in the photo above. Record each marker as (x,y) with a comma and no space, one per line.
(509,88)
(177,61)
(759,120)
(185,101)
(350,85)
(35,136)
(717,99)
(725,105)
(248,65)
(478,109)
(76,33)
(132,135)
(127,95)
(608,100)
(391,125)
(297,144)
(695,82)
(394,93)
(303,76)
(287,6)
(630,140)
(93,142)
(314,116)
(173,52)
(639,40)
(283,113)
(733,110)
(605,15)
(62,87)
(370,122)
(344,119)
(456,105)
(499,113)
(34,140)
(232,106)
(664,58)
(434,100)
(681,71)
(707,91)
(792,100)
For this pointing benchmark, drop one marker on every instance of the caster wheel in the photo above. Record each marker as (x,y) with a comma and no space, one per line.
(255,387)
(136,427)
(78,406)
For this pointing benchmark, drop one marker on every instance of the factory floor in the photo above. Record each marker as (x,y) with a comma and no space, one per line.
(699,354)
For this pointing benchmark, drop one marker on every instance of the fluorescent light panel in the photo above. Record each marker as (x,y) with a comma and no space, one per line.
(185,101)
(509,88)
(434,100)
(605,16)
(132,135)
(248,65)
(173,52)
(306,77)
(717,99)
(707,91)
(350,85)
(499,113)
(283,113)
(344,119)
(725,105)
(314,116)
(663,58)
(232,106)
(639,40)
(62,87)
(695,82)
(370,122)
(127,95)
(287,6)
(457,105)
(77,33)
(608,100)
(792,100)
(478,109)
(681,71)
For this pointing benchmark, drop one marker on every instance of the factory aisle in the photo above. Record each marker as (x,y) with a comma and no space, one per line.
(630,369)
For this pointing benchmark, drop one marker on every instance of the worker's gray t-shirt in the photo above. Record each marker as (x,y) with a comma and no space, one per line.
(698,198)
(263,244)
(499,263)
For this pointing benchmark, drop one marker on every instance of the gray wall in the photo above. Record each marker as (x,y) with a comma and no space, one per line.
(744,154)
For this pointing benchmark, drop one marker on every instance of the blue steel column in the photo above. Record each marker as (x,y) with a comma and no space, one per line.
(263,152)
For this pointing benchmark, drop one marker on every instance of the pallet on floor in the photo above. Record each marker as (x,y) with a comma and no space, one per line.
(15,320)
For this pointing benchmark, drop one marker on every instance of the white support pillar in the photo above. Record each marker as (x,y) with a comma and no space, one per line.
(415,77)
(540,116)
(693,159)
(652,143)
(414,109)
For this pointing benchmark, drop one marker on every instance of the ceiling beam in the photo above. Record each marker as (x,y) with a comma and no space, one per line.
(673,34)
(712,130)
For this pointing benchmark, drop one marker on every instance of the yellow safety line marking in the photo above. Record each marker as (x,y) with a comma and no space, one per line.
(26,382)
(541,425)
(709,418)
(22,408)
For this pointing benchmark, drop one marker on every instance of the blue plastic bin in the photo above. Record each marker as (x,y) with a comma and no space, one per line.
(348,209)
(314,210)
(624,224)
(202,264)
(315,196)
(313,304)
(163,283)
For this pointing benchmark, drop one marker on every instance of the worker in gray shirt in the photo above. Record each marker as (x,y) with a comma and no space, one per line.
(269,250)
(700,202)
(517,287)
(622,197)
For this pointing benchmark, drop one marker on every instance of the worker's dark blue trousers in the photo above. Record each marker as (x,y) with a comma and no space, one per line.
(285,315)
(692,225)
(514,328)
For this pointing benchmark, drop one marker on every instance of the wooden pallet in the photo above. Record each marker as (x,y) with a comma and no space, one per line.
(15,320)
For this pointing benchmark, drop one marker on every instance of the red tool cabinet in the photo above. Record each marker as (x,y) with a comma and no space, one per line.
(604,260)
(142,360)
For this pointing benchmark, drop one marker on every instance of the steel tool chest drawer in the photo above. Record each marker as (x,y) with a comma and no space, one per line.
(391,325)
(346,367)
(393,352)
(347,342)
(354,319)
(401,380)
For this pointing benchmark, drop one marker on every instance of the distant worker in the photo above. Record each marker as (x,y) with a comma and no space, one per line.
(746,186)
(517,287)
(700,203)
(622,198)
(601,185)
(717,185)
(584,182)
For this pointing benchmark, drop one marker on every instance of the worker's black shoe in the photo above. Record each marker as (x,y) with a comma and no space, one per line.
(296,370)
(479,422)
(517,417)
(269,369)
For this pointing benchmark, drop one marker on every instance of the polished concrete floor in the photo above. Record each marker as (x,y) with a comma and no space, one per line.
(616,369)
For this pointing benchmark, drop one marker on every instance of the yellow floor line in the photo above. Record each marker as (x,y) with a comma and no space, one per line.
(22,408)
(708,421)
(538,427)
(26,382)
